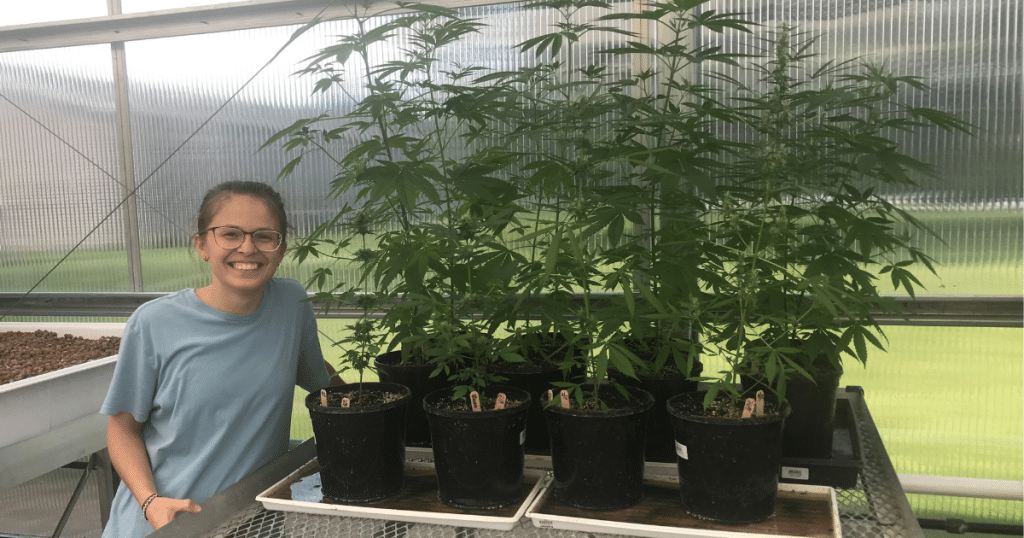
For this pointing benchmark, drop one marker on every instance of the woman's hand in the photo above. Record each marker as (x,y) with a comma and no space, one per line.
(163,510)
(128,455)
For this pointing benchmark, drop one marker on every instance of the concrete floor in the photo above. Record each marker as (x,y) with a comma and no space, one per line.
(35,508)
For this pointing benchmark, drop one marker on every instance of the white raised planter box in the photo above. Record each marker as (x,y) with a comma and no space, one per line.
(49,420)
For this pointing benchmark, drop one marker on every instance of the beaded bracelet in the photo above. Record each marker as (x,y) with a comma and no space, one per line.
(145,505)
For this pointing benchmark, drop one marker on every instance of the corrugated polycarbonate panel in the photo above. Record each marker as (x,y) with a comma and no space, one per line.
(16,13)
(138,6)
(201,107)
(947,403)
(191,129)
(59,173)
(970,54)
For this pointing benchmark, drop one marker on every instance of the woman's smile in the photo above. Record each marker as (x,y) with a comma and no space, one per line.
(245,266)
(239,273)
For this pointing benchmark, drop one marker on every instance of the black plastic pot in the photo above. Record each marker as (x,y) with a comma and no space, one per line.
(597,457)
(535,380)
(361,450)
(810,425)
(417,377)
(478,456)
(660,444)
(728,468)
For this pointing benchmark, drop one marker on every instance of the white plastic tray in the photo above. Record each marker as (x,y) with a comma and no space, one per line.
(673,522)
(38,404)
(277,497)
(51,419)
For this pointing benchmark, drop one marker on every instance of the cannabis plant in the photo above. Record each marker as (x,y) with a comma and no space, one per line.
(803,229)
(613,161)
(674,156)
(362,341)
(414,153)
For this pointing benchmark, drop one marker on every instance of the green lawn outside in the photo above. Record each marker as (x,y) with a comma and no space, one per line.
(174,269)
(977,253)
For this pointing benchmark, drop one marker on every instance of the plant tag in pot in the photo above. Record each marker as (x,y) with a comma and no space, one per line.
(681,451)
(748,408)
(474,400)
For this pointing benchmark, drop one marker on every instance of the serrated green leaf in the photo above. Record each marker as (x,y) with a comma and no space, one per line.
(601,366)
(620,361)
(554,248)
(615,228)
(711,395)
(627,296)
(860,345)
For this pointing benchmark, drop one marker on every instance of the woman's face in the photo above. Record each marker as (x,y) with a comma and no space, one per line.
(245,269)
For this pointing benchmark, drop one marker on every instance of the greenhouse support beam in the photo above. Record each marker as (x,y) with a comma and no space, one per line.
(952,486)
(959,526)
(188,21)
(126,160)
(926,311)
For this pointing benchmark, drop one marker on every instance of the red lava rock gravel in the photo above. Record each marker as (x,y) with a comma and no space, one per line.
(28,354)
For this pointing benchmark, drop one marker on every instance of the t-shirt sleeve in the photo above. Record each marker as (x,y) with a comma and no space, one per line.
(312,373)
(133,386)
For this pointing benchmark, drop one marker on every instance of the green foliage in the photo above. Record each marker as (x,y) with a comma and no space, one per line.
(652,205)
(363,342)
(609,162)
(802,231)
(423,172)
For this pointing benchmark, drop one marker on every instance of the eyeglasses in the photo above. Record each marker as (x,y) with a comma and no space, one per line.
(229,237)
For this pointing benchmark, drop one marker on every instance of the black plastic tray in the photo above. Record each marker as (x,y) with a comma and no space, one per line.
(842,469)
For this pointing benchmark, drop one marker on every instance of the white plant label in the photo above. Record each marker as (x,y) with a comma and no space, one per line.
(681,451)
(522,437)
(796,473)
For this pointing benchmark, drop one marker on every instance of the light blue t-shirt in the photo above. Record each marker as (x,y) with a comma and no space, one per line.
(212,390)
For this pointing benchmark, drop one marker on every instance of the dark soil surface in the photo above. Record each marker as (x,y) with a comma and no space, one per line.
(608,399)
(723,407)
(28,354)
(486,404)
(362,399)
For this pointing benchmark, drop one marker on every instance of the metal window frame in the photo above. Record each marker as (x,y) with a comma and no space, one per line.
(189,21)
(115,29)
(924,311)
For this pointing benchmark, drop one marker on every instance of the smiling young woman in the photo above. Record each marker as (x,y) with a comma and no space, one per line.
(203,387)
(229,223)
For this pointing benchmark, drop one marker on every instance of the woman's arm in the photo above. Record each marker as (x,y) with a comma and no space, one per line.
(130,460)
